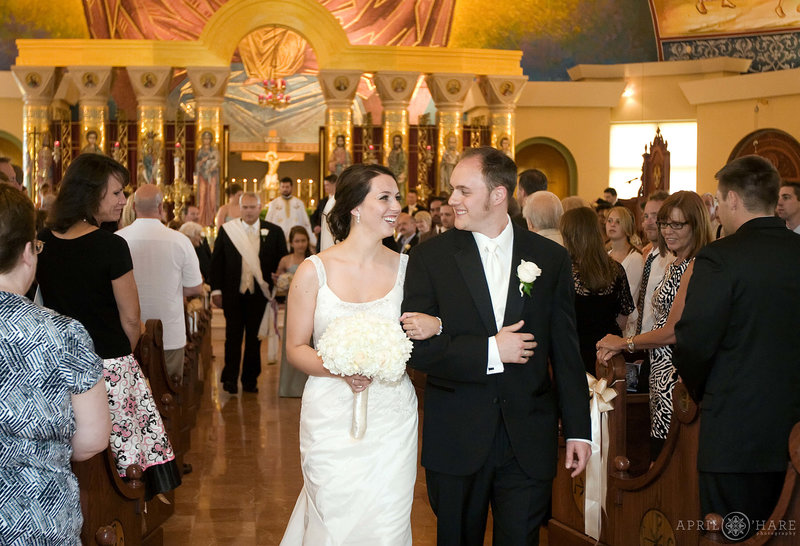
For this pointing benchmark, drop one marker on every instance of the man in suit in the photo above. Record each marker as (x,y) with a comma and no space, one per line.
(412,206)
(246,253)
(737,345)
(406,233)
(491,410)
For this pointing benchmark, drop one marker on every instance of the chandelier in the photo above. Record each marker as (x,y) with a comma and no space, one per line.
(274,94)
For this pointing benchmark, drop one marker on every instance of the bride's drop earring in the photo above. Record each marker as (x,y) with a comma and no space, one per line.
(358,217)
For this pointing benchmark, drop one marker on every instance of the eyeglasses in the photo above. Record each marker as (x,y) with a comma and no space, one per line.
(677,226)
(38,246)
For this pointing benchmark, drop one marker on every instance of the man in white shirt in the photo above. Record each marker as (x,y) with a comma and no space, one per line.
(166,270)
(491,417)
(288,211)
(788,208)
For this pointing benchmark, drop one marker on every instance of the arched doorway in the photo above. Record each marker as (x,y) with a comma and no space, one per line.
(779,147)
(10,146)
(553,159)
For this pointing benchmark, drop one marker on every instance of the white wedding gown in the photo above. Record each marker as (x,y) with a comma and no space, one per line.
(355,492)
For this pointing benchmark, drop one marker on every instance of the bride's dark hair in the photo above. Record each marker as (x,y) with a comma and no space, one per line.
(352,187)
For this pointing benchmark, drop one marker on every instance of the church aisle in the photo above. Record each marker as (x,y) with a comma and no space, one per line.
(246,467)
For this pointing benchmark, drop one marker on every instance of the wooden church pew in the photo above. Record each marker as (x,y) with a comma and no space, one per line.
(660,505)
(111,507)
(150,355)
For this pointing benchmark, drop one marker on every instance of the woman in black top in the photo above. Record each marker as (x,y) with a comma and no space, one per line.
(87,273)
(602,295)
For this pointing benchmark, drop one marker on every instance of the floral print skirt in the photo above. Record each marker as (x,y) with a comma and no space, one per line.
(137,431)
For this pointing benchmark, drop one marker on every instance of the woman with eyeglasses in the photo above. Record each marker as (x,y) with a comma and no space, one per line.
(684,229)
(53,405)
(87,273)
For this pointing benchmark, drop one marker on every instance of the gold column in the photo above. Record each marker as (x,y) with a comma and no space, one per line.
(208,85)
(395,90)
(339,89)
(448,92)
(501,94)
(151,85)
(94,87)
(37,85)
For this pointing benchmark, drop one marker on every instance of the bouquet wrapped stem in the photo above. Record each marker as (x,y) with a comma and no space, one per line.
(359,426)
(369,345)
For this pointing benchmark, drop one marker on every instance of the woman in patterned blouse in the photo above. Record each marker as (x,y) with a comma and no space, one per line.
(53,404)
(684,229)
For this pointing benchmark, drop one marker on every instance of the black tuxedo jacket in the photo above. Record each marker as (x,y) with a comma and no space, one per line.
(445,278)
(226,262)
(738,349)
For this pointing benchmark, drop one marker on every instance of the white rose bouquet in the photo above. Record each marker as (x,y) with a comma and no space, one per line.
(368,345)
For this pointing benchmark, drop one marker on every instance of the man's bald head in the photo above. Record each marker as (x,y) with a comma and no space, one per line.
(147,201)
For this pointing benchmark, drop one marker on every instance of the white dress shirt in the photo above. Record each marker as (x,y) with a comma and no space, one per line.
(498,291)
(164,262)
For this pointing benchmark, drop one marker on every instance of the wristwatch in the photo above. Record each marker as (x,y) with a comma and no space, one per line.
(631,346)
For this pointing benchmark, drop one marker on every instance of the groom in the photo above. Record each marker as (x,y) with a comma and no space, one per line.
(491,409)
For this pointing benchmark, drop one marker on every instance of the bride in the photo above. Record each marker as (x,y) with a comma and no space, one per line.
(355,491)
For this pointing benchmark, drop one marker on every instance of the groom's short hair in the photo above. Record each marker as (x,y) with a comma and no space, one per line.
(496,167)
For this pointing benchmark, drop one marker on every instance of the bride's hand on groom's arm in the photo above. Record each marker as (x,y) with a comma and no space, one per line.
(419,326)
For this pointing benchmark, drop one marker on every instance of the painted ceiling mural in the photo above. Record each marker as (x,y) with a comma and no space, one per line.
(554,35)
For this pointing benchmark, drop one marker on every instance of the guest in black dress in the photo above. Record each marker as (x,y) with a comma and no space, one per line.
(602,296)
(86,273)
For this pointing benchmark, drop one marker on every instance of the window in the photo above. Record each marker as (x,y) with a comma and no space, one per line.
(628,141)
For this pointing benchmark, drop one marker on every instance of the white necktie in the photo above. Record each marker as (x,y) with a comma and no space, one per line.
(494,278)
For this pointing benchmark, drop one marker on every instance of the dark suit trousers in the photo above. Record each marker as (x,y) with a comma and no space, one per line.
(753,494)
(461,503)
(243,314)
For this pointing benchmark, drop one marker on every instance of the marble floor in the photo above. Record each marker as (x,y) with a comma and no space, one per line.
(246,467)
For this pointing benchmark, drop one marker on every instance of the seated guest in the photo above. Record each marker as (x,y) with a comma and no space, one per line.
(602,297)
(423,221)
(86,273)
(196,235)
(542,213)
(166,270)
(447,216)
(53,404)
(683,230)
(624,247)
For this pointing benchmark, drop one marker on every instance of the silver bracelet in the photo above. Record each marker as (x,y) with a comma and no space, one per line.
(440,326)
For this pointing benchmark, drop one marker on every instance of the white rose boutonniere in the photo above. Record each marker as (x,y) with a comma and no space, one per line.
(527,272)
(264,232)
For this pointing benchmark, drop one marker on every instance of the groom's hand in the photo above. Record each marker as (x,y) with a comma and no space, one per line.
(577,456)
(515,347)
